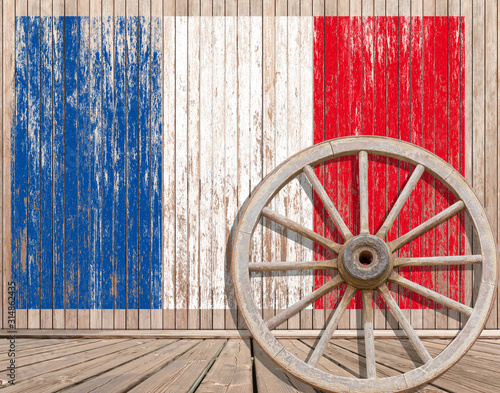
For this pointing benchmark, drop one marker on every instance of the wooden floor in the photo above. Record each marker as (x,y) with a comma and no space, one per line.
(219,365)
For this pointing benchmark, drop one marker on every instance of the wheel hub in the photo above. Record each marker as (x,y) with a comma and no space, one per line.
(365,261)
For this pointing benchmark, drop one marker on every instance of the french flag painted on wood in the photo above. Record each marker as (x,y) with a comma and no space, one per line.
(137,139)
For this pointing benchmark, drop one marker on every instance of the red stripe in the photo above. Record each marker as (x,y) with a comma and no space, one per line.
(370,64)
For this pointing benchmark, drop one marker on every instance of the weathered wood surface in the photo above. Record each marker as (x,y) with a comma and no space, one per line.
(189,104)
(235,365)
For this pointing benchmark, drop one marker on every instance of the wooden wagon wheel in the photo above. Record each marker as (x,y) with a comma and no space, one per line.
(359,276)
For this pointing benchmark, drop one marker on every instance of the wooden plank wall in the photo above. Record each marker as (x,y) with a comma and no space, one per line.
(229,92)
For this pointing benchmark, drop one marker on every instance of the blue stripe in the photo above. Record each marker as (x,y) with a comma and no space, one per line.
(120,211)
(86,167)
(132,160)
(156,161)
(34,162)
(144,166)
(71,161)
(107,164)
(58,162)
(21,164)
(95,164)
(46,162)
(83,164)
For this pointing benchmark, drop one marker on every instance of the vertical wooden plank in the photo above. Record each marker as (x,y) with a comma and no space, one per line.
(466,128)
(95,165)
(119,161)
(33,263)
(218,188)
(21,165)
(379,167)
(107,163)
(256,133)
(145,165)
(268,140)
(83,317)
(441,150)
(330,131)
(207,263)
(404,128)
(231,154)
(181,240)
(368,98)
(8,136)
(292,121)
(344,167)
(193,155)
(429,192)
(319,135)
(453,148)
(497,307)
(156,161)
(306,132)
(491,129)
(168,165)
(58,163)
(46,164)
(243,108)
(478,117)
(132,163)
(392,31)
(416,137)
(71,164)
(281,148)
(355,107)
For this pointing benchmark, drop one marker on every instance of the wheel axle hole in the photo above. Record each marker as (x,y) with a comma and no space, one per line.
(365,257)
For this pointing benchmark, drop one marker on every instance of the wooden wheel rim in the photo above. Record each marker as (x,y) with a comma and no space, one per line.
(388,147)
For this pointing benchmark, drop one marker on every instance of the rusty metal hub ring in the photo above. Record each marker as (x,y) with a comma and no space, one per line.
(303,162)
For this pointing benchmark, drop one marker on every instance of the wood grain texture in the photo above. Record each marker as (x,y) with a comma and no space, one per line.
(236,88)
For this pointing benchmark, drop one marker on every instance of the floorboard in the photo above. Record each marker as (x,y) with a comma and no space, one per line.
(224,365)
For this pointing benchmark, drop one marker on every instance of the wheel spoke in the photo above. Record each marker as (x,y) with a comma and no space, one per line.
(428,293)
(426,226)
(369,338)
(405,324)
(400,202)
(438,261)
(304,302)
(327,203)
(302,265)
(332,325)
(363,192)
(296,227)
